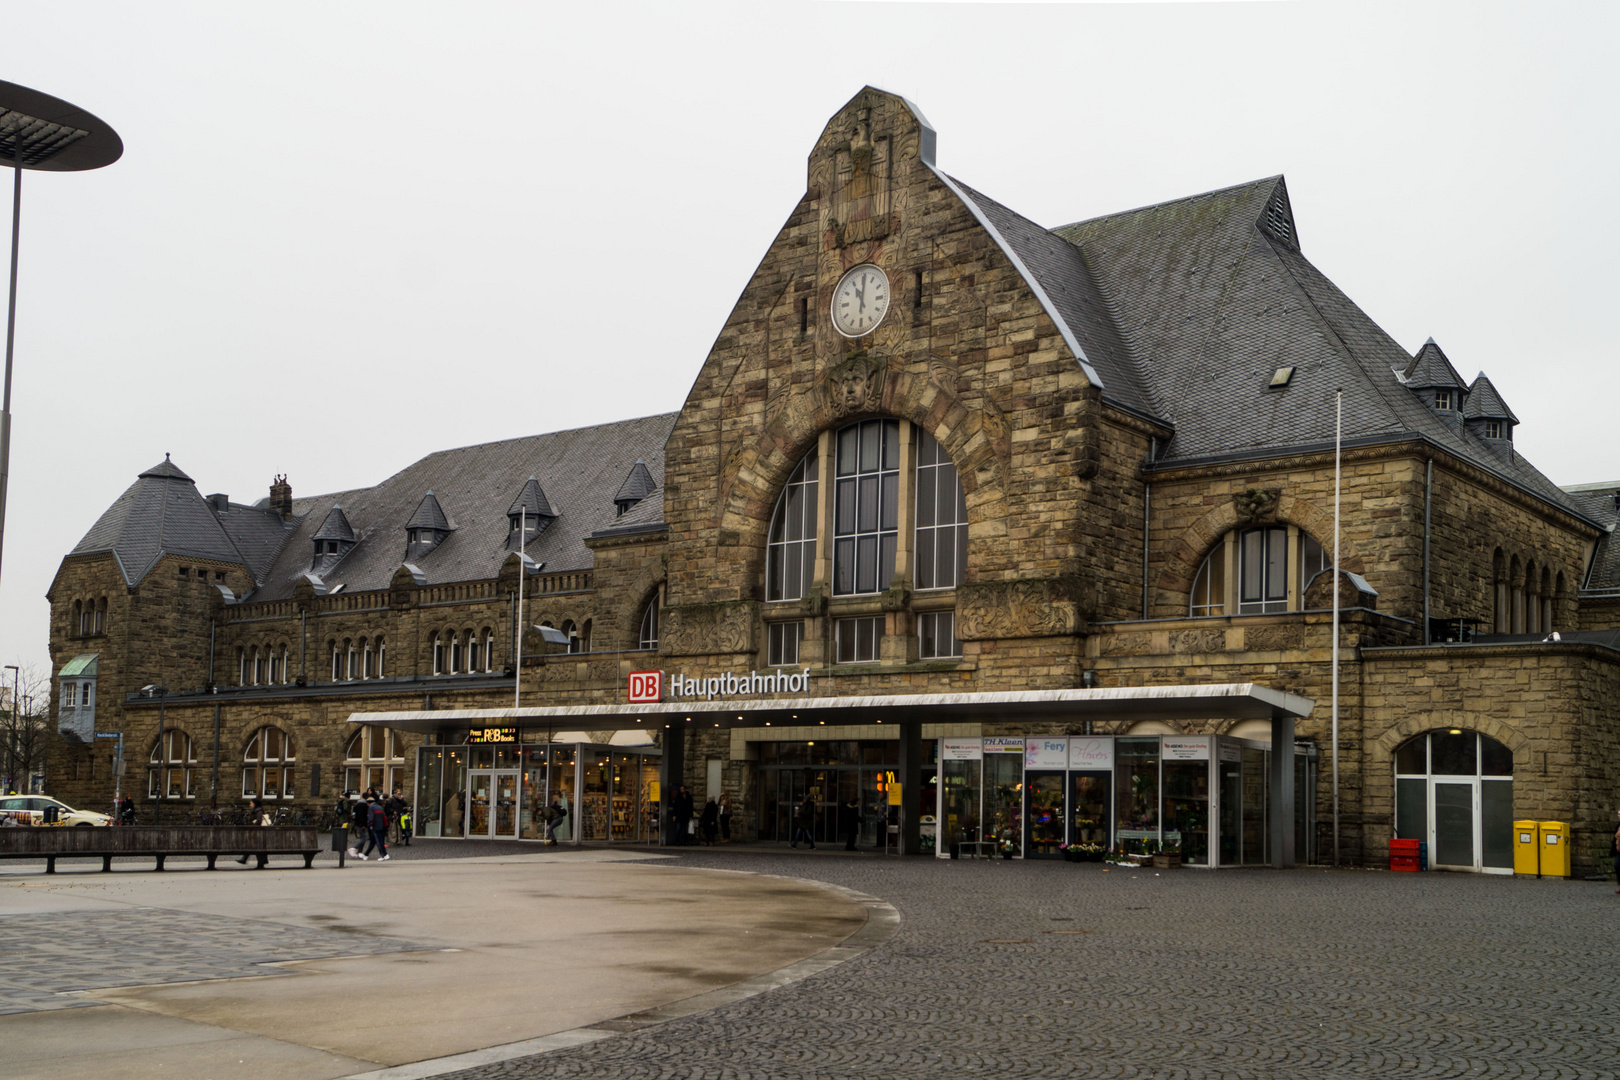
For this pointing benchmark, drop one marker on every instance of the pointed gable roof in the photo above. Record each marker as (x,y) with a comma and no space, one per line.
(160,514)
(429,515)
(532,499)
(335,527)
(1484,403)
(1430,370)
(638,484)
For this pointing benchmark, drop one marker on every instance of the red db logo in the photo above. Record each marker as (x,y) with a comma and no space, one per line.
(646,687)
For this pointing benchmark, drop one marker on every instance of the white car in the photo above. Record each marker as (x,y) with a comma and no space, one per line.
(30,810)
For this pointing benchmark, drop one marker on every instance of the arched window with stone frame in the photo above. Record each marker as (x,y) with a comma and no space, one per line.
(790,546)
(1516,596)
(374,757)
(80,626)
(487,635)
(336,652)
(437,645)
(268,764)
(1532,598)
(647,637)
(243,671)
(171,766)
(1501,617)
(99,625)
(261,664)
(457,658)
(1263,570)
(1556,610)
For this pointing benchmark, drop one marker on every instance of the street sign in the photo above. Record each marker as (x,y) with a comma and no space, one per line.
(109,734)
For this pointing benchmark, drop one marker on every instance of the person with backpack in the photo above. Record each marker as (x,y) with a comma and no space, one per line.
(359,824)
(377,824)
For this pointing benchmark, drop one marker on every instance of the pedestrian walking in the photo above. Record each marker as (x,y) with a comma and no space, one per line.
(725,818)
(377,825)
(359,824)
(405,826)
(849,822)
(683,815)
(709,822)
(257,815)
(804,823)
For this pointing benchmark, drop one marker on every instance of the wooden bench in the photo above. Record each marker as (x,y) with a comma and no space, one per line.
(52,842)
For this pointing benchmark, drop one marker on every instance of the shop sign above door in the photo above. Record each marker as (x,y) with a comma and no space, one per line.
(1091,753)
(1046,753)
(961,750)
(1004,744)
(1185,749)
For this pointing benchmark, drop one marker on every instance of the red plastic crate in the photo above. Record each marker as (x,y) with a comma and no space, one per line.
(1403,847)
(1403,862)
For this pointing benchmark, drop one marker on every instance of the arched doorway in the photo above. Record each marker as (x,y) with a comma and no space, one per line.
(1454,790)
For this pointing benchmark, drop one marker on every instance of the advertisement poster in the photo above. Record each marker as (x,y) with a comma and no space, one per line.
(1046,753)
(1096,754)
(960,750)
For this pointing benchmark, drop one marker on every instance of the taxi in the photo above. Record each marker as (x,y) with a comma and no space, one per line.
(30,810)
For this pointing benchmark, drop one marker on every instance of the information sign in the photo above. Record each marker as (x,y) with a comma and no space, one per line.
(961,750)
(480,735)
(1086,752)
(1046,753)
(1231,751)
(1185,749)
(894,794)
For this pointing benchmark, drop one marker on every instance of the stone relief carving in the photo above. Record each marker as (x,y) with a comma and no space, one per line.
(1274,638)
(1125,644)
(1257,504)
(856,384)
(1197,641)
(1045,607)
(707,629)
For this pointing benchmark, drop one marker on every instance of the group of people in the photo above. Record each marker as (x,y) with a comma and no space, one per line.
(370,815)
(711,826)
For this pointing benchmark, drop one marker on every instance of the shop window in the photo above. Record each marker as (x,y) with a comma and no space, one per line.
(790,556)
(941,551)
(171,767)
(866,507)
(857,639)
(267,765)
(936,635)
(1265,579)
(374,758)
(782,645)
(648,638)
(1454,791)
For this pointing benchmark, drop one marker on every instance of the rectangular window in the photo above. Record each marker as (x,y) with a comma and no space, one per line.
(857,639)
(1442,399)
(1262,572)
(941,518)
(936,635)
(783,648)
(185,572)
(866,509)
(1493,429)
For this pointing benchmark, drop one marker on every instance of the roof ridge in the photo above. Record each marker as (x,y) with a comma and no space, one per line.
(1273,179)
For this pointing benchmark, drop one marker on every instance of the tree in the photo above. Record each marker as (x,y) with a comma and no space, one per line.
(25,703)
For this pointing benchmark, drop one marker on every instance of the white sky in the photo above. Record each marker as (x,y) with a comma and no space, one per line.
(345,235)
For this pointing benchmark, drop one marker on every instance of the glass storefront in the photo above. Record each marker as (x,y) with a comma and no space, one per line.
(1205,797)
(502,792)
(833,773)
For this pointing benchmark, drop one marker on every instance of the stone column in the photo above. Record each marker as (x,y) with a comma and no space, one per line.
(910,772)
(671,774)
(1281,811)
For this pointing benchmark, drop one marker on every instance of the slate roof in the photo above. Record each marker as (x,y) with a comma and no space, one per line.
(429,515)
(162,513)
(532,499)
(475,486)
(335,526)
(1599,502)
(1430,370)
(637,485)
(1484,403)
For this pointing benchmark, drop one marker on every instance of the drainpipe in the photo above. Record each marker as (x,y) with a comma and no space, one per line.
(1147,517)
(1428,499)
(213,797)
(303,633)
(210,653)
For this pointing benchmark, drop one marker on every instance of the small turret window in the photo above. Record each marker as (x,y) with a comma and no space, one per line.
(1445,399)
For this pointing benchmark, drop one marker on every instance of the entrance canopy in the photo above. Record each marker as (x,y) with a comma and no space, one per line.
(1221,701)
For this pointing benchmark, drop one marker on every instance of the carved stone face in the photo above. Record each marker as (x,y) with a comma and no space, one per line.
(852,391)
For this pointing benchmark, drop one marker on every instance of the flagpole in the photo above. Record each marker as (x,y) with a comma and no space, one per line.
(1338,445)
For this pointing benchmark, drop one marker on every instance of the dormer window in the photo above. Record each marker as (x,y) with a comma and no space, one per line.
(333,539)
(528,515)
(427,529)
(638,484)
(1445,399)
(1493,429)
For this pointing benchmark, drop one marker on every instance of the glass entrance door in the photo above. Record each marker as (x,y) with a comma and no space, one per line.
(478,799)
(1044,816)
(1454,824)
(504,820)
(1088,808)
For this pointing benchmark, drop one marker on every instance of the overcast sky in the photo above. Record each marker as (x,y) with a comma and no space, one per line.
(345,235)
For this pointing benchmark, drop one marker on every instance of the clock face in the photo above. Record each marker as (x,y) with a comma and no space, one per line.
(860,301)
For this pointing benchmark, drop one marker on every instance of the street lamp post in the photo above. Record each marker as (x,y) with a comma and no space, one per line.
(11,739)
(40,132)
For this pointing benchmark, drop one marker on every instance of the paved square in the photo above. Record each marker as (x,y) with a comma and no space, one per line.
(1014,970)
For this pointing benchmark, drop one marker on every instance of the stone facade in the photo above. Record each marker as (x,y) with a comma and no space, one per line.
(1086,535)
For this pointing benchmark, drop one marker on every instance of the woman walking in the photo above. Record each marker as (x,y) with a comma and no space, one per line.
(804,823)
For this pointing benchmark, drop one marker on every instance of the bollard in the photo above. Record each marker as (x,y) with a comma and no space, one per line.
(340,842)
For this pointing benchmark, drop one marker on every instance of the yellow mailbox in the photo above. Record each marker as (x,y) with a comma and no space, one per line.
(1554,849)
(1527,847)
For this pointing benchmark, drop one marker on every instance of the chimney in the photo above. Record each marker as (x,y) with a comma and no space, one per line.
(281,498)
(221,504)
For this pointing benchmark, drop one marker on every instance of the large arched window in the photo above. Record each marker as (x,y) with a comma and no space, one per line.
(267,765)
(648,638)
(941,518)
(1258,572)
(1454,791)
(171,766)
(790,560)
(374,758)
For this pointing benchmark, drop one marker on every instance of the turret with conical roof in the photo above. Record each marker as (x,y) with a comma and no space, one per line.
(426,529)
(333,540)
(1432,378)
(1486,414)
(530,512)
(638,484)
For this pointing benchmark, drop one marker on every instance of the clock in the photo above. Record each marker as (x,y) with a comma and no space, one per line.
(860,301)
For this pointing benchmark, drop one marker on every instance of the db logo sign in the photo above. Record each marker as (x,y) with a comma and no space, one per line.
(646,687)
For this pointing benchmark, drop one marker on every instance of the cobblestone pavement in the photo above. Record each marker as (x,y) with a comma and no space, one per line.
(1013,970)
(44,959)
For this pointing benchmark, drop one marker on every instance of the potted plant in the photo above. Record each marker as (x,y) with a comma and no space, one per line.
(1169,858)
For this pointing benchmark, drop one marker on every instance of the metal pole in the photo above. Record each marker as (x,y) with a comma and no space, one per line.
(163,761)
(1338,441)
(523,586)
(11,329)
